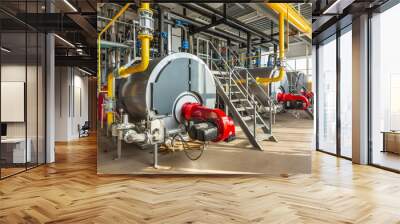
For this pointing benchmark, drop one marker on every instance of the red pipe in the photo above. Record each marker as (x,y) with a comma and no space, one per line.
(285,97)
(195,111)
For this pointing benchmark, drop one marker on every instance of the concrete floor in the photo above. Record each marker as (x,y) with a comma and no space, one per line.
(291,155)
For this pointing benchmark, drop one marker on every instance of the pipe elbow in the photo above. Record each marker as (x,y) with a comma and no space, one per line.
(278,78)
(125,72)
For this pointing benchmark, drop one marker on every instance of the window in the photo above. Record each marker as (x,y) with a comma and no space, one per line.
(385,84)
(22,74)
(327,96)
(346,93)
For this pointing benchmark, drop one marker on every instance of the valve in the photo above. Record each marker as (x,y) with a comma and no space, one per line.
(146,22)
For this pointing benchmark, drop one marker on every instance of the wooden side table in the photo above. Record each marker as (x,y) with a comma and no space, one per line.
(391,141)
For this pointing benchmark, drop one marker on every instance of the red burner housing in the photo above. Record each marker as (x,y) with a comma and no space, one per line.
(285,97)
(197,112)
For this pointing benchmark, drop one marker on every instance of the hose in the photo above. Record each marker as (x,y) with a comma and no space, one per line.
(186,147)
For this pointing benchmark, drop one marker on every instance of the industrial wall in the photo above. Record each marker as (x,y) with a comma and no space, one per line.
(71,102)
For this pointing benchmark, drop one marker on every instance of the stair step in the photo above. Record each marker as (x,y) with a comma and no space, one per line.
(247,118)
(238,100)
(244,108)
(235,92)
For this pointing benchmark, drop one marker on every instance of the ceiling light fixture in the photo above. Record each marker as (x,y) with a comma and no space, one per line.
(84,71)
(5,50)
(65,41)
(70,5)
(337,7)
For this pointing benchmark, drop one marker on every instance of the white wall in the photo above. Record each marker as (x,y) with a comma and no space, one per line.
(71,102)
(34,126)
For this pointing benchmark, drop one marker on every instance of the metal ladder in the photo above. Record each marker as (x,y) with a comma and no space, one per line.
(241,103)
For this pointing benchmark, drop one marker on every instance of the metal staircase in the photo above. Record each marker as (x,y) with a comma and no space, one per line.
(242,104)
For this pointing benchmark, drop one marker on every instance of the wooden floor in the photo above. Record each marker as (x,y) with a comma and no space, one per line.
(69,191)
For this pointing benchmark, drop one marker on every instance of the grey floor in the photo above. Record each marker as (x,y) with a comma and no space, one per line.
(386,159)
(291,155)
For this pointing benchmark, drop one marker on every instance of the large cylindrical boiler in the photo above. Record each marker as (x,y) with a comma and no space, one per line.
(167,84)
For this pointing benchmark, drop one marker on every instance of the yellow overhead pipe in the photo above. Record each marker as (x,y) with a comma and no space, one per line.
(293,16)
(99,44)
(281,54)
(145,39)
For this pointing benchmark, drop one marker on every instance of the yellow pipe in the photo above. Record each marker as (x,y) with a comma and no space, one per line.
(125,72)
(110,77)
(145,39)
(145,6)
(99,45)
(110,95)
(281,54)
(293,16)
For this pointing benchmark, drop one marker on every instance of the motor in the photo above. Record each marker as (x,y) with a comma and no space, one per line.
(207,124)
(293,101)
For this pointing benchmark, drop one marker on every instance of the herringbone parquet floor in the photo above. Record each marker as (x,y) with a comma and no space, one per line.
(69,191)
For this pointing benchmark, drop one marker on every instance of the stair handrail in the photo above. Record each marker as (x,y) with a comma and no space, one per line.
(252,102)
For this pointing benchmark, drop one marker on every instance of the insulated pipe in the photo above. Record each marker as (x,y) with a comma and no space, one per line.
(281,54)
(144,38)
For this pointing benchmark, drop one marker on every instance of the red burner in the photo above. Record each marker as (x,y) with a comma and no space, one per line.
(197,112)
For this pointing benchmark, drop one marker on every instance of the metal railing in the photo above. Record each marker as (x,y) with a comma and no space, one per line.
(234,85)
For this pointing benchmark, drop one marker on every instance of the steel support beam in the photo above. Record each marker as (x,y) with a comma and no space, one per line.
(234,23)
(84,24)
(82,61)
(206,27)
(214,32)
(248,50)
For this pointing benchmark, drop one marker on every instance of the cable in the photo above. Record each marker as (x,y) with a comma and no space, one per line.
(186,147)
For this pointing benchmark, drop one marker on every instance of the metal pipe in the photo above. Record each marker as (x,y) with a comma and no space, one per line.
(125,72)
(118,21)
(110,96)
(215,32)
(281,54)
(145,36)
(232,22)
(111,44)
(99,44)
(161,21)
(293,17)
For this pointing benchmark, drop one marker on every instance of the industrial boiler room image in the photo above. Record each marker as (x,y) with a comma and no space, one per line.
(204,88)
